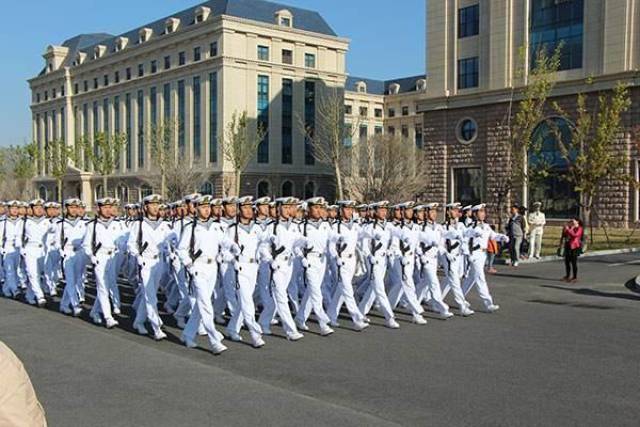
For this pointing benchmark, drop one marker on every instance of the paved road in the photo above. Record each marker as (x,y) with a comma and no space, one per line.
(555,354)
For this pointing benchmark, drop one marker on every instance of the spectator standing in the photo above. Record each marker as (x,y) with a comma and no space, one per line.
(493,249)
(515,231)
(537,221)
(572,240)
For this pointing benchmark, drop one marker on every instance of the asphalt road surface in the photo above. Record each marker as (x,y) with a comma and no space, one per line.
(555,354)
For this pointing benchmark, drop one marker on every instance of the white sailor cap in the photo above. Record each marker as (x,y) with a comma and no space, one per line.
(73,201)
(454,205)
(179,203)
(303,206)
(537,203)
(164,206)
(467,208)
(49,205)
(332,207)
(379,205)
(152,198)
(287,201)
(346,203)
(245,200)
(202,200)
(191,197)
(230,200)
(36,202)
(476,208)
(24,204)
(3,203)
(216,202)
(104,201)
(129,206)
(316,201)
(362,207)
(115,201)
(272,204)
(431,206)
(262,201)
(82,204)
(13,204)
(407,205)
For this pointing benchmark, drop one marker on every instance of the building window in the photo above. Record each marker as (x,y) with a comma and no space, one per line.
(95,83)
(145,191)
(556,193)
(166,102)
(154,66)
(309,121)
(378,113)
(116,115)
(309,60)
(213,49)
(263,189)
(181,118)
(392,112)
(213,117)
(391,130)
(197,150)
(378,130)
(348,109)
(76,90)
(363,136)
(468,73)
(116,77)
(106,80)
(167,62)
(287,56)
(404,131)
(128,72)
(207,188)
(405,111)
(53,93)
(46,95)
(61,90)
(469,21)
(140,129)
(182,58)
(153,101)
(263,118)
(96,122)
(347,142)
(364,111)
(419,141)
(196,54)
(285,22)
(127,115)
(287,121)
(467,185)
(467,131)
(140,70)
(287,189)
(309,190)
(263,53)
(105,116)
(554,23)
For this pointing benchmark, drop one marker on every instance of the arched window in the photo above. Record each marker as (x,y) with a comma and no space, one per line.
(548,168)
(207,189)
(309,190)
(42,192)
(263,189)
(287,189)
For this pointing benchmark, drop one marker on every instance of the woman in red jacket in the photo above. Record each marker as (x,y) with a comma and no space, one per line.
(572,238)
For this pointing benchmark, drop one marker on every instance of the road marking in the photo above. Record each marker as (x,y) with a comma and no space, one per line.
(618,264)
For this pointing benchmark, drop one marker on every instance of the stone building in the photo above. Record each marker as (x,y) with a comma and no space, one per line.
(473,57)
(195,68)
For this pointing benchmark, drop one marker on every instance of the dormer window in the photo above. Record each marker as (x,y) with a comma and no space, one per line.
(394,89)
(80,58)
(121,43)
(421,85)
(171,25)
(361,87)
(99,51)
(144,35)
(202,13)
(284,18)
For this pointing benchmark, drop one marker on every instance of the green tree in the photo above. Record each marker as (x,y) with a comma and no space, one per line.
(241,145)
(58,155)
(103,154)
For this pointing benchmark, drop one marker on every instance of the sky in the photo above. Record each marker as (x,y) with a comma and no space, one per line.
(386,42)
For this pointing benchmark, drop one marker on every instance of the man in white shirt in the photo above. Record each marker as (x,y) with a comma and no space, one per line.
(537,222)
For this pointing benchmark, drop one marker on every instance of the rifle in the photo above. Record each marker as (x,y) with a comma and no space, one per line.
(340,248)
(374,248)
(473,247)
(403,250)
(4,241)
(63,243)
(275,252)
(193,254)
(305,251)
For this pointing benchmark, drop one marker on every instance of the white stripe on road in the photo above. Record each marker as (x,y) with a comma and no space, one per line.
(618,264)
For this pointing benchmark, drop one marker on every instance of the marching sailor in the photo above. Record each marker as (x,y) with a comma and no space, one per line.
(36,231)
(11,232)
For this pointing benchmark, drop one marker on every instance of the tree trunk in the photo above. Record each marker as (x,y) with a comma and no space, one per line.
(238,174)
(339,194)
(163,184)
(59,184)
(105,190)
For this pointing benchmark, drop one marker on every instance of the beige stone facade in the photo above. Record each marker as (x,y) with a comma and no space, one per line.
(473,69)
(197,68)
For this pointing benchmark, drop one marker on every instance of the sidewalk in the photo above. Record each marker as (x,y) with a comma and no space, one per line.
(547,258)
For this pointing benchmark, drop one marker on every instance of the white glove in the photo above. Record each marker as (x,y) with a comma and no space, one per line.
(340,262)
(373,260)
(404,261)
(3,252)
(424,259)
(298,252)
(274,265)
(94,259)
(304,262)
(450,257)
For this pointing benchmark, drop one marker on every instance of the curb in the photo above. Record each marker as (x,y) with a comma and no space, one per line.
(549,258)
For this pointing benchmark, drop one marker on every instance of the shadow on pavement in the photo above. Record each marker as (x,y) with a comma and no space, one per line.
(595,293)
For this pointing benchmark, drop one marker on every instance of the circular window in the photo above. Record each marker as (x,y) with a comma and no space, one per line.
(467,131)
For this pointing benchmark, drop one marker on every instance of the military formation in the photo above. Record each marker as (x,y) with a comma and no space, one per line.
(234,263)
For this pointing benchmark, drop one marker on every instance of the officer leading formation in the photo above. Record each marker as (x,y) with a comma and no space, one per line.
(222,265)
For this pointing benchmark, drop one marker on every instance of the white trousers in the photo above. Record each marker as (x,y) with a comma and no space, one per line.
(429,286)
(453,273)
(312,299)
(11,263)
(152,271)
(403,285)
(477,278)
(202,315)
(376,290)
(34,266)
(246,284)
(74,265)
(103,271)
(535,241)
(279,301)
(343,293)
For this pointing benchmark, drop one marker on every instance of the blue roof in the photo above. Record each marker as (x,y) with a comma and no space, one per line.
(381,87)
(255,10)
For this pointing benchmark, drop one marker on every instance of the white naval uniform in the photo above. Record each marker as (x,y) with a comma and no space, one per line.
(264,270)
(154,246)
(99,245)
(316,236)
(36,234)
(219,297)
(11,244)
(537,221)
(207,238)
(52,261)
(69,237)
(453,261)
(378,234)
(347,236)
(285,237)
(407,237)
(430,248)
(247,240)
(479,235)
(185,300)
